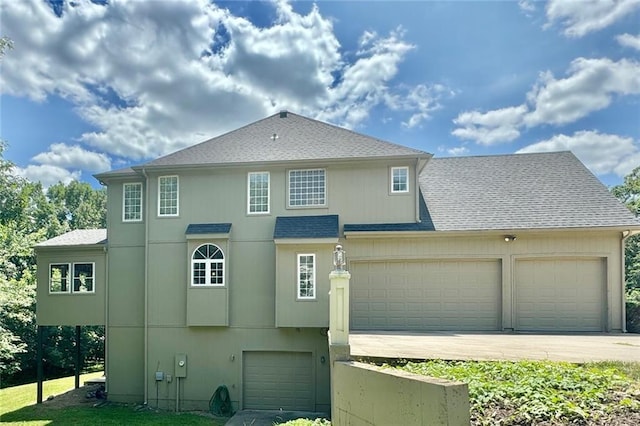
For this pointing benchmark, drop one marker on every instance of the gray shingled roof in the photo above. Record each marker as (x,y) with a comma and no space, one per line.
(78,237)
(208,228)
(520,191)
(298,138)
(306,227)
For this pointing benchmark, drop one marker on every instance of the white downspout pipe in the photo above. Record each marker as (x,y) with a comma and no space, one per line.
(146,289)
(623,241)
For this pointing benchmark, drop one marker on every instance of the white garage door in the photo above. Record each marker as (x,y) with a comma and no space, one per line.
(426,295)
(560,294)
(278,380)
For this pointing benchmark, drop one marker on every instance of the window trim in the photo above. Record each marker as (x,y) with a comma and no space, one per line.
(208,263)
(93,277)
(69,275)
(313,276)
(268,211)
(391,182)
(71,266)
(124,185)
(177,213)
(307,206)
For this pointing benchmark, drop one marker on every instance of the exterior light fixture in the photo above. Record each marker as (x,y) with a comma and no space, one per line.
(509,238)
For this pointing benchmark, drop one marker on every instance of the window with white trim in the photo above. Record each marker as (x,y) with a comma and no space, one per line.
(207,266)
(307,188)
(168,196)
(399,179)
(72,278)
(132,202)
(258,193)
(306,276)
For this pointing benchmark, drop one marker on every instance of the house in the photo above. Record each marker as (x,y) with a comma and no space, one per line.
(215,270)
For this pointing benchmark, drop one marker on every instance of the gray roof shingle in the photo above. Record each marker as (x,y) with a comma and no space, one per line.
(208,228)
(77,237)
(326,226)
(518,191)
(298,138)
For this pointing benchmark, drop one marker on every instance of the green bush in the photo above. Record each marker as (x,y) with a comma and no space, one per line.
(633,311)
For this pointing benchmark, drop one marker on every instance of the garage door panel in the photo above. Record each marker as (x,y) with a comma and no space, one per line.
(426,295)
(560,294)
(278,380)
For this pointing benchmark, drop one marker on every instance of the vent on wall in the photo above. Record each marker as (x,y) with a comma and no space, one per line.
(283,114)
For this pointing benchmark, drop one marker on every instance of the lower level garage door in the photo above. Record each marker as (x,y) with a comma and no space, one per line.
(278,380)
(560,294)
(426,295)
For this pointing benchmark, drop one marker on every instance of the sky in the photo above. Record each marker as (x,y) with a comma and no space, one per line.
(91,86)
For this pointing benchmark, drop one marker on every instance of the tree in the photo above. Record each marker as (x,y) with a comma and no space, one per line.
(5,44)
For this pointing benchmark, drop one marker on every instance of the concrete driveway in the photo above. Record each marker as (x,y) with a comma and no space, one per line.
(497,346)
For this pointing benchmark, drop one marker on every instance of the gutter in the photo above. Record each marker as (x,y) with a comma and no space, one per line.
(146,290)
(623,240)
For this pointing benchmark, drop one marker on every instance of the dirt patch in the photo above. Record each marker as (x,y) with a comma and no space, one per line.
(81,397)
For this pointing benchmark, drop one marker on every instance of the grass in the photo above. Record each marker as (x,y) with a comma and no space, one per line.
(18,407)
(530,392)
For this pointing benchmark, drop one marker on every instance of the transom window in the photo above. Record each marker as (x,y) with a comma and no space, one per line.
(71,278)
(207,266)
(168,196)
(132,202)
(306,276)
(307,188)
(399,179)
(258,192)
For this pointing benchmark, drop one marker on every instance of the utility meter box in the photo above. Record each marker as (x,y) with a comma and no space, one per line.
(181,365)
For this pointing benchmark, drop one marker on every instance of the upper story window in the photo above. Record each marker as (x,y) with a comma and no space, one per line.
(399,179)
(207,266)
(132,202)
(307,188)
(258,192)
(168,196)
(67,278)
(306,276)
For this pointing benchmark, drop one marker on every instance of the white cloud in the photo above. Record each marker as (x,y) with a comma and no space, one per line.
(491,127)
(600,152)
(629,40)
(47,174)
(579,18)
(153,77)
(65,156)
(527,6)
(591,85)
(458,150)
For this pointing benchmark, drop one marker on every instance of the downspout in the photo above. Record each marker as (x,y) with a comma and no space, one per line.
(623,240)
(146,289)
(106,313)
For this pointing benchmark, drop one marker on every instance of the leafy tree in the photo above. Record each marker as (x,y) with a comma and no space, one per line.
(5,44)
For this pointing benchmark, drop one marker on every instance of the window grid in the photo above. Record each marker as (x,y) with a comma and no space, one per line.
(399,179)
(59,278)
(132,202)
(168,196)
(66,278)
(83,277)
(207,266)
(306,276)
(307,188)
(258,188)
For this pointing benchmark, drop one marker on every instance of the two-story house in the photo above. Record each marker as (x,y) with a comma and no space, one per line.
(214,266)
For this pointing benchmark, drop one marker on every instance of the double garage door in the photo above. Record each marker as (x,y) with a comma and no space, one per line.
(274,380)
(565,294)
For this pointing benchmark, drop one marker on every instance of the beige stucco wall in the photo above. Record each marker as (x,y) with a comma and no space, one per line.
(368,395)
(491,245)
(71,308)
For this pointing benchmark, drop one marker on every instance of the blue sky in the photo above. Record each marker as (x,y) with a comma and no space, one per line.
(96,85)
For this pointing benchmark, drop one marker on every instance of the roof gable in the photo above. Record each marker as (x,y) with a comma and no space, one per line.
(518,191)
(284,137)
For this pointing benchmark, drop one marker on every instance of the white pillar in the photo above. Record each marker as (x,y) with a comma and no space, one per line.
(339,308)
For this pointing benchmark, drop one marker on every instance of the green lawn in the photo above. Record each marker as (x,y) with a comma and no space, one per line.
(18,407)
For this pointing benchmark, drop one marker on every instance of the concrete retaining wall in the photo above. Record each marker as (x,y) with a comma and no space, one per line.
(368,395)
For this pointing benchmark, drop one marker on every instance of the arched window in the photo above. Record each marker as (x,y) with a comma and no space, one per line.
(207,266)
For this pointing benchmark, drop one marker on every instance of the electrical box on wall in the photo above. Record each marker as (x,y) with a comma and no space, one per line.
(181,365)
(159,376)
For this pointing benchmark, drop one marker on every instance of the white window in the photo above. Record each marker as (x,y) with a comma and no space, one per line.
(132,202)
(306,276)
(399,179)
(307,188)
(76,278)
(207,266)
(168,196)
(258,192)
